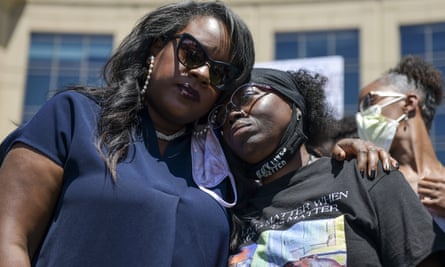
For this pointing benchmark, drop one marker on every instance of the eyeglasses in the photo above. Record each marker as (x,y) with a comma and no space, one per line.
(372,98)
(244,96)
(192,55)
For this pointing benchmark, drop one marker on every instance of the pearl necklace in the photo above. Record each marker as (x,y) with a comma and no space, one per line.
(170,137)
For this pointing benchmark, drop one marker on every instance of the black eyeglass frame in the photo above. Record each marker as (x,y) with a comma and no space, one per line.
(231,105)
(230,71)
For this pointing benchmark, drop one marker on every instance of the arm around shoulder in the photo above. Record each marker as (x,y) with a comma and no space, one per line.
(30,185)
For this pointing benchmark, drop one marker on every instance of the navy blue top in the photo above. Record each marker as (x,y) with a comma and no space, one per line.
(154,215)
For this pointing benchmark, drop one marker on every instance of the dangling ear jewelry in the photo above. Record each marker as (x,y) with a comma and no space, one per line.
(200,129)
(149,71)
(299,115)
(405,121)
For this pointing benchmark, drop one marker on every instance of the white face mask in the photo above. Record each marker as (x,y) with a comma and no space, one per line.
(373,126)
(210,167)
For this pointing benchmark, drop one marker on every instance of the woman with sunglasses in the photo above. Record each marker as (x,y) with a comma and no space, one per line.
(103,176)
(396,112)
(296,208)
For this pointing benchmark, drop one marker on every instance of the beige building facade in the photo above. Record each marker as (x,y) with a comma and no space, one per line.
(378,22)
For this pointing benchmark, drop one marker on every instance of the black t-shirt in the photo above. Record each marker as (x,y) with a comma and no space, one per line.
(326,213)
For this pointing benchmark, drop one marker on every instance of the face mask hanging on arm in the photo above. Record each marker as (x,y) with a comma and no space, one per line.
(373,126)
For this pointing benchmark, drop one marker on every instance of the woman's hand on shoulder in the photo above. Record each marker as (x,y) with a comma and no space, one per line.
(30,185)
(368,155)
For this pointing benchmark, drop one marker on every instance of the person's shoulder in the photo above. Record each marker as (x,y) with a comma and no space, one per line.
(69,101)
(64,109)
(393,174)
(330,167)
(6,144)
(340,167)
(349,169)
(392,180)
(327,164)
(73,95)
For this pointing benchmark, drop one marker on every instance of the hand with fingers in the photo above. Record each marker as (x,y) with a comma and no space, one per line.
(432,194)
(368,155)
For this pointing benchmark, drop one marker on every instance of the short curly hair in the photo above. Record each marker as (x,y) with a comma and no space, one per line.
(319,115)
(413,73)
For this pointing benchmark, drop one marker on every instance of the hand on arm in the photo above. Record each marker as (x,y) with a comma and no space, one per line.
(30,185)
(432,194)
(367,154)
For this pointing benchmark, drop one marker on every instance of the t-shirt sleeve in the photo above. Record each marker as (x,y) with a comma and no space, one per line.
(52,129)
(6,144)
(407,231)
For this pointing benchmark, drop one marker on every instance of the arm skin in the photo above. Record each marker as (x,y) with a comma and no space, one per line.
(367,154)
(30,185)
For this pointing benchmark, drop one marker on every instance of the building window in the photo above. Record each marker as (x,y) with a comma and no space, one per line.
(428,41)
(343,43)
(59,60)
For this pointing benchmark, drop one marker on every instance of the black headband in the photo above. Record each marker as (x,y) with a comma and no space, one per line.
(283,82)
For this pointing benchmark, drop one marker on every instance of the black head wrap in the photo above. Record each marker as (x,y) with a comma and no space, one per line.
(293,137)
(283,82)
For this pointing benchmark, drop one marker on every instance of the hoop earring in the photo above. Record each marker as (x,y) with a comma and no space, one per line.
(147,80)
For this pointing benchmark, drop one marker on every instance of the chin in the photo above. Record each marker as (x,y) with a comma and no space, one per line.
(249,156)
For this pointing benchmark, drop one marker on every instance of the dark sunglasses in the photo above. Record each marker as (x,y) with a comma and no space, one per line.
(244,96)
(192,55)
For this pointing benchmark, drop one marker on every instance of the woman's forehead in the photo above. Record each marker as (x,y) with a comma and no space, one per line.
(212,34)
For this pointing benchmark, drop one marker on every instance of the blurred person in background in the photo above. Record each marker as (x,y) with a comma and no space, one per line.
(396,112)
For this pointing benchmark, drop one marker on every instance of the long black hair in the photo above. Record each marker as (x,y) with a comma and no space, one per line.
(127,68)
